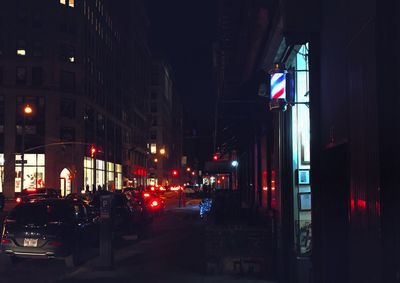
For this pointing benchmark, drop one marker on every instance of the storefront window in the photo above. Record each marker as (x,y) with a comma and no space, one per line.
(113,172)
(88,172)
(100,173)
(118,176)
(110,176)
(301,153)
(34,171)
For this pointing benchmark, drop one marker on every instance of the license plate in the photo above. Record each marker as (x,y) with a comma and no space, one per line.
(30,242)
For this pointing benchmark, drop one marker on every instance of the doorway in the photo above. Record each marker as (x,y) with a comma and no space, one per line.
(65,182)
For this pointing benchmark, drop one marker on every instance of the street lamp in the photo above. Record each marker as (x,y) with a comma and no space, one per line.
(27,111)
(162,151)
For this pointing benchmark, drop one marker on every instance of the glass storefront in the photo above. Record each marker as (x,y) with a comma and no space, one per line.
(118,176)
(88,173)
(112,173)
(110,176)
(100,174)
(34,171)
(301,153)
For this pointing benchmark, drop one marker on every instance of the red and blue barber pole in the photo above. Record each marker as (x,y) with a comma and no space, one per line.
(278,86)
(278,90)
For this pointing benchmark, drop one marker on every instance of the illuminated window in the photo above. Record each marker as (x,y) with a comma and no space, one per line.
(153,148)
(71,3)
(21,52)
(62,2)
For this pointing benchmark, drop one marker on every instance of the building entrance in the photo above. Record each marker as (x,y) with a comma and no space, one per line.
(65,182)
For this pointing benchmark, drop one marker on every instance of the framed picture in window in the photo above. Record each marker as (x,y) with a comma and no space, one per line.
(304,201)
(303,176)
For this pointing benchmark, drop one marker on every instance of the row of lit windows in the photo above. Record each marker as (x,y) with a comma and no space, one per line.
(70,3)
(97,23)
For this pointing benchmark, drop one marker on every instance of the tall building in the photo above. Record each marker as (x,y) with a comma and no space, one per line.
(83,67)
(165,139)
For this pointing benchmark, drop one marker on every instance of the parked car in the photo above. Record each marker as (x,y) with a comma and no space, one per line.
(49,228)
(138,198)
(32,195)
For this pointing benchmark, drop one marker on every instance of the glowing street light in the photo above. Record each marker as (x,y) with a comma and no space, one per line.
(188,169)
(234,163)
(155,160)
(28,110)
(162,151)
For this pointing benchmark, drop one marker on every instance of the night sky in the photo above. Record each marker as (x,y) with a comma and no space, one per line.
(183,32)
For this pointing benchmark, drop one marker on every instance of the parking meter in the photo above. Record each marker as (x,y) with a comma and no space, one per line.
(105,207)
(106,220)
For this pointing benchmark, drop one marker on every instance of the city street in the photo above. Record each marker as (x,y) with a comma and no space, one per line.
(170,249)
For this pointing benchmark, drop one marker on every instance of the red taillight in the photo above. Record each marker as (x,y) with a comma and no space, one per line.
(31,190)
(154,203)
(5,241)
(55,243)
(18,199)
(146,195)
(152,188)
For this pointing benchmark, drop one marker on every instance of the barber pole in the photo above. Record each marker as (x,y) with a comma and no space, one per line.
(278,86)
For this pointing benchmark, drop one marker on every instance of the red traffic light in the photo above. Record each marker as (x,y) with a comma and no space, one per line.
(93,151)
(215,156)
(174,173)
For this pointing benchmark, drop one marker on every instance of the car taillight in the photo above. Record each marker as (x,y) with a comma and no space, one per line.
(154,203)
(152,188)
(55,243)
(5,241)
(146,195)
(18,199)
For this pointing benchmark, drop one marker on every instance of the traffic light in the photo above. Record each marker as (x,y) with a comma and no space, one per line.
(215,156)
(93,151)
(174,173)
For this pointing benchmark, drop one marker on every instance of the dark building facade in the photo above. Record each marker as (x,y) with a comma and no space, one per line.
(335,143)
(166,137)
(72,62)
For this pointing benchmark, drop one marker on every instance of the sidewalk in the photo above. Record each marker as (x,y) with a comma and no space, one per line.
(124,272)
(171,254)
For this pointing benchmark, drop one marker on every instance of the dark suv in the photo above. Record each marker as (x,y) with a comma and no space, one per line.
(53,228)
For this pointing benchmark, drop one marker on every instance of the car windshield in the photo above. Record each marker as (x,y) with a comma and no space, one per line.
(41,213)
